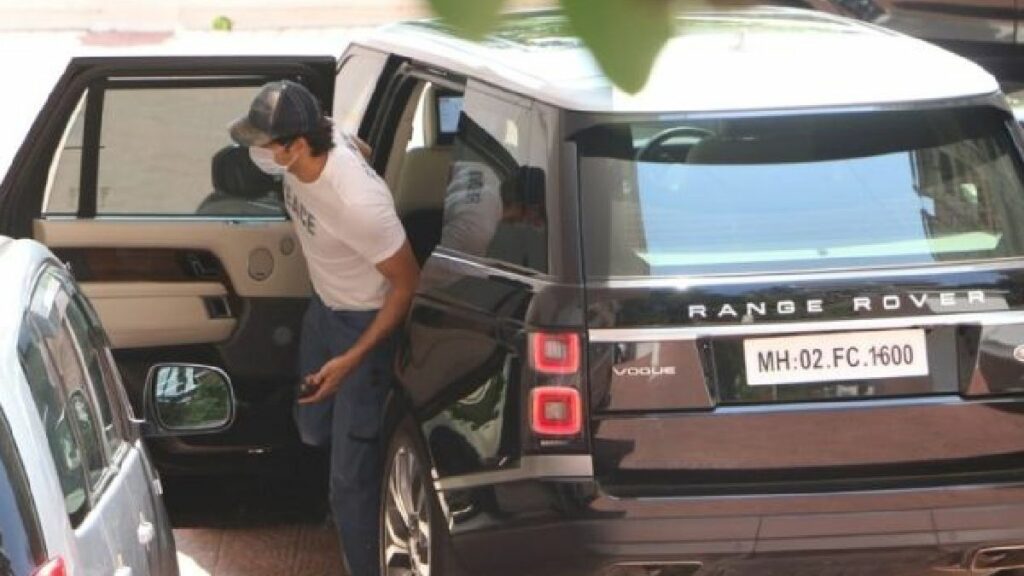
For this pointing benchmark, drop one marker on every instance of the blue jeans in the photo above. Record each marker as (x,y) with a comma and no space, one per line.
(349,423)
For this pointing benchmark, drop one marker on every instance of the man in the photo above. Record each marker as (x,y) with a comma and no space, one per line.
(364,275)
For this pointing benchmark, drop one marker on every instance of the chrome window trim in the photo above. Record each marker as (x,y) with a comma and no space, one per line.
(492,267)
(627,335)
(686,282)
(530,468)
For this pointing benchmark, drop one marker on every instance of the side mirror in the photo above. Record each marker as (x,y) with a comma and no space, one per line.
(188,399)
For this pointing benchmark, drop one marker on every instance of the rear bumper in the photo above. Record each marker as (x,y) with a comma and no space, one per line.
(572,527)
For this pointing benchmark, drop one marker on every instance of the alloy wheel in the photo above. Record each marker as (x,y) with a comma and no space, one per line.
(407,545)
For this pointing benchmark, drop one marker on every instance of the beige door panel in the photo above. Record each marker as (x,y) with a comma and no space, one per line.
(261,258)
(148,314)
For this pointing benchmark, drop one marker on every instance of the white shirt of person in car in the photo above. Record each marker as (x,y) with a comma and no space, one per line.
(346,224)
(472,208)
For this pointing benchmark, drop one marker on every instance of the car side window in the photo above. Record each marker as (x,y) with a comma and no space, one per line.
(495,205)
(51,405)
(49,313)
(160,150)
(101,381)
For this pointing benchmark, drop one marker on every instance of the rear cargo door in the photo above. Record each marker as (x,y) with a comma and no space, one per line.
(814,302)
(820,403)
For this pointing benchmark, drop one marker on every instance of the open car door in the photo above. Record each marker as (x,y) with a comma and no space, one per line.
(182,245)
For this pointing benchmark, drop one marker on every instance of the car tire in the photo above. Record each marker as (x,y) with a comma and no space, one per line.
(413,534)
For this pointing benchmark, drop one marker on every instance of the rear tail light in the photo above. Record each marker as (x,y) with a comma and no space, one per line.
(556,411)
(556,403)
(555,354)
(54,567)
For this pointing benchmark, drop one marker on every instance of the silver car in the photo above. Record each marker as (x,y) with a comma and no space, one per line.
(78,494)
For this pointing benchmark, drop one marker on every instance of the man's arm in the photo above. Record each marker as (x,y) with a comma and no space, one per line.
(402,274)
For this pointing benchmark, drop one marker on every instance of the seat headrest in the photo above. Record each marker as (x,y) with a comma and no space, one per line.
(235,174)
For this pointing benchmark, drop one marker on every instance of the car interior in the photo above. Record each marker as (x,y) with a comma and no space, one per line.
(420,163)
(240,188)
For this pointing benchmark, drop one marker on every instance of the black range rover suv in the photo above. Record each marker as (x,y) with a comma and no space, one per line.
(764,317)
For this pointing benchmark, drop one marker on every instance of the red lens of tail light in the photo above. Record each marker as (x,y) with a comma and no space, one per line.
(556,411)
(555,354)
(54,567)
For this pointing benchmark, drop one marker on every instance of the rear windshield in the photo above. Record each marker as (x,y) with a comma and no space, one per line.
(787,193)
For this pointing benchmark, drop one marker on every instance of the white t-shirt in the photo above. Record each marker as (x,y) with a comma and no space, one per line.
(346,223)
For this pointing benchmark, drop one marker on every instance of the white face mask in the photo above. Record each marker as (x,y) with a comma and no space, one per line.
(264,160)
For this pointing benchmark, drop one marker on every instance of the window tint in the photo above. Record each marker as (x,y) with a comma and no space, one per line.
(800,192)
(65,177)
(49,401)
(21,539)
(102,384)
(167,152)
(495,203)
(49,315)
(356,82)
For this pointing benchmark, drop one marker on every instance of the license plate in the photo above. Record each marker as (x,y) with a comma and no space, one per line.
(835,357)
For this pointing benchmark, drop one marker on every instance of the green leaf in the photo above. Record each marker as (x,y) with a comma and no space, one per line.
(470,18)
(625,36)
(222,23)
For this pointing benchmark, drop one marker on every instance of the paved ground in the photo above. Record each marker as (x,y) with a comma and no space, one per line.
(249,525)
(295,549)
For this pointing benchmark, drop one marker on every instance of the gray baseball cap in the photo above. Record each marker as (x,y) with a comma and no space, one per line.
(282,109)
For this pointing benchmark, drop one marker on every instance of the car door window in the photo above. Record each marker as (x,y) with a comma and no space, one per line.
(101,382)
(495,204)
(159,153)
(49,400)
(149,148)
(49,314)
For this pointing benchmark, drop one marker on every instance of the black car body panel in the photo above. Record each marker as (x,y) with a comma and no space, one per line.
(576,528)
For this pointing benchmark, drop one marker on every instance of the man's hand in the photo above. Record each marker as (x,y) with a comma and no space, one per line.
(402,274)
(327,381)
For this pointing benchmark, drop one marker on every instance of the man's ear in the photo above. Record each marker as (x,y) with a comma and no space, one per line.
(300,146)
